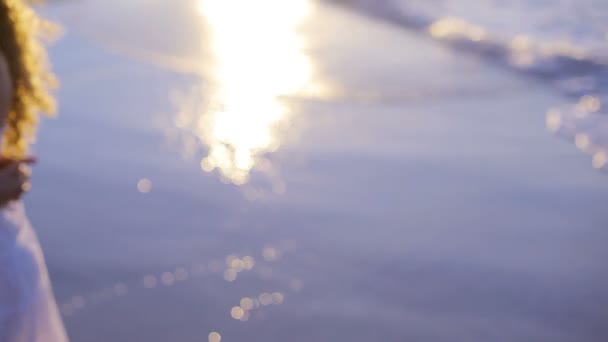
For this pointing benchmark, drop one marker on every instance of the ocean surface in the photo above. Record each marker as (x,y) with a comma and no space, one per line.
(561,42)
(227,170)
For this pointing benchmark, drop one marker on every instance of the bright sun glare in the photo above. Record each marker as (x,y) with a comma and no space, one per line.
(259,58)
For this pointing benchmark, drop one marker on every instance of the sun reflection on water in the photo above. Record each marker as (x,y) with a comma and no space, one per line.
(258,60)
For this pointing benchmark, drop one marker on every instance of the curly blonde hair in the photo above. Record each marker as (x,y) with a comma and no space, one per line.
(22,34)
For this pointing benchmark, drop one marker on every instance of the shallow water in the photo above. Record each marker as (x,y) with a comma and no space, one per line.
(395,190)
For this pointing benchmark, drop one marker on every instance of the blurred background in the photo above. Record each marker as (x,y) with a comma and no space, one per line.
(309,170)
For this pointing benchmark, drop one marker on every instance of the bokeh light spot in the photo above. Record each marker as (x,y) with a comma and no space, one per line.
(215,337)
(144,186)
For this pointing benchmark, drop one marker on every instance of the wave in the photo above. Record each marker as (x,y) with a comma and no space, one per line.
(575,71)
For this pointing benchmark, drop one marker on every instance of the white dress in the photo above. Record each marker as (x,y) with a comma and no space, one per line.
(28,312)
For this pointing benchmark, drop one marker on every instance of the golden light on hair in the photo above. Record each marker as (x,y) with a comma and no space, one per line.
(21,35)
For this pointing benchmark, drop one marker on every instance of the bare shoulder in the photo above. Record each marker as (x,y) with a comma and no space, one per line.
(6,89)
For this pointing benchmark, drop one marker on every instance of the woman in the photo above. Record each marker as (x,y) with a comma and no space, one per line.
(28,312)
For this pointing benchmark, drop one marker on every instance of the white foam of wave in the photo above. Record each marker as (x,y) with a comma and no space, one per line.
(573,68)
(576,70)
